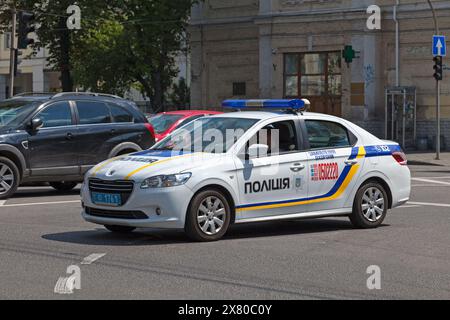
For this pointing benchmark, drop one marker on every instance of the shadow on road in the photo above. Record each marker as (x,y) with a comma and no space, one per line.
(37,192)
(148,237)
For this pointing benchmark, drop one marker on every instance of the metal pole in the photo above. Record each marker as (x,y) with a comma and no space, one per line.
(386,101)
(404,120)
(438,120)
(12,58)
(438,94)
(397,45)
(393,135)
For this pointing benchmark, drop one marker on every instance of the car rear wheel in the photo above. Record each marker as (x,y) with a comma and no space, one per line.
(208,216)
(120,229)
(370,206)
(9,178)
(63,186)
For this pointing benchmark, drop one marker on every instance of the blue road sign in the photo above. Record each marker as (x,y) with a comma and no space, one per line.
(439,46)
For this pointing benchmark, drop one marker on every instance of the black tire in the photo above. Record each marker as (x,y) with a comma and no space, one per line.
(374,215)
(63,186)
(120,229)
(125,152)
(192,226)
(13,178)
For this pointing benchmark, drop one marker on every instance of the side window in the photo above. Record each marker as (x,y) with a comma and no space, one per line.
(281,137)
(326,134)
(120,115)
(185,122)
(56,115)
(91,112)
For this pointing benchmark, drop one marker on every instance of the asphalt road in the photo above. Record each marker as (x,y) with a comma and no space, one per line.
(42,234)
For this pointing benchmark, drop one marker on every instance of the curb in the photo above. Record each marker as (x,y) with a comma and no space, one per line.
(423,163)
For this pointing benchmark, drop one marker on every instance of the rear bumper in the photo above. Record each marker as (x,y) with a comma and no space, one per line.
(401,187)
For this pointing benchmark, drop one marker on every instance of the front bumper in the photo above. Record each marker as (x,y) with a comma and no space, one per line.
(172,203)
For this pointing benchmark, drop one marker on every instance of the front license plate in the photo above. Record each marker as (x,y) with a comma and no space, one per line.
(108,199)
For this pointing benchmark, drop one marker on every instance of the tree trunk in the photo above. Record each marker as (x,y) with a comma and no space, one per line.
(158,100)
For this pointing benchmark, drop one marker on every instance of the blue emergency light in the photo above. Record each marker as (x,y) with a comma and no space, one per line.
(295,104)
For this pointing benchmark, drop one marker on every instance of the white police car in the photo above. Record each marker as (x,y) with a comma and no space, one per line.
(250,166)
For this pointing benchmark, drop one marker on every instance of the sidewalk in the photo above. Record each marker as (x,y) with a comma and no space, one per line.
(429,159)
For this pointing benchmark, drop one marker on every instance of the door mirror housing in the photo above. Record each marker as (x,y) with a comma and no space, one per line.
(257,150)
(36,124)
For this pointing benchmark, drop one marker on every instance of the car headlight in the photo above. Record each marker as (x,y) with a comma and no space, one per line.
(166,181)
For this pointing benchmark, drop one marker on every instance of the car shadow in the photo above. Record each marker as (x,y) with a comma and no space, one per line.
(37,192)
(148,237)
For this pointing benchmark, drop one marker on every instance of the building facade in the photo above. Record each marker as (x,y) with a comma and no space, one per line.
(293,48)
(34,74)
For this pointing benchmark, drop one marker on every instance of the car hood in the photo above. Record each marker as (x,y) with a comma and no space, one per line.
(142,165)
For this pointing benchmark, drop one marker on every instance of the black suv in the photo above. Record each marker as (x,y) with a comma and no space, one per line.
(58,138)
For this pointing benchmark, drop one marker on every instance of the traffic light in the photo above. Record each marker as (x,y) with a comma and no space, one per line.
(26,21)
(438,70)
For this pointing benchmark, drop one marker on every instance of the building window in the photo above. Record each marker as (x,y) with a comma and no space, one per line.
(312,74)
(239,89)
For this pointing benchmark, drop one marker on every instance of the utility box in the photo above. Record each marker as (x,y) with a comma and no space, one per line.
(401,116)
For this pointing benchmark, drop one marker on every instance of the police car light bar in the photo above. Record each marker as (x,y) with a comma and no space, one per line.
(296,104)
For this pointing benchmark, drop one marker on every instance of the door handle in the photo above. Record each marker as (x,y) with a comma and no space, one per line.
(351,162)
(113,131)
(69,136)
(297,167)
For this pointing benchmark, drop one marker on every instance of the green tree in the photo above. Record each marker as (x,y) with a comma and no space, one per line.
(180,96)
(52,32)
(135,46)
(122,43)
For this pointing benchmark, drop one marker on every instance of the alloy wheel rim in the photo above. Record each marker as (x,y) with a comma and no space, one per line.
(211,215)
(373,204)
(6,178)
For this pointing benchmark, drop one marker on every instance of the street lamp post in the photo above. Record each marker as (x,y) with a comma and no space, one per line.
(438,93)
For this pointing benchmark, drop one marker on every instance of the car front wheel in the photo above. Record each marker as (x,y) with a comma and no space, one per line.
(208,216)
(370,206)
(9,178)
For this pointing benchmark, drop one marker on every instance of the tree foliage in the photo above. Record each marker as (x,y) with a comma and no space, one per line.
(122,43)
(180,96)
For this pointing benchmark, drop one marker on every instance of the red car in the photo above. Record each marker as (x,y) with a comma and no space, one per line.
(167,122)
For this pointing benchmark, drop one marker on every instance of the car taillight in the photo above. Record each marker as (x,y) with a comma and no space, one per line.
(400,157)
(150,129)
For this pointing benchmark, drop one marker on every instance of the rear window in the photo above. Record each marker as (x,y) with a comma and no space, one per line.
(327,134)
(120,115)
(161,123)
(91,112)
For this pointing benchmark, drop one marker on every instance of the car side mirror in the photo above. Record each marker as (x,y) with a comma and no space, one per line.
(36,124)
(256,151)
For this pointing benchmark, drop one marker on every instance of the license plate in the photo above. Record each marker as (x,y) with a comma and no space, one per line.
(108,199)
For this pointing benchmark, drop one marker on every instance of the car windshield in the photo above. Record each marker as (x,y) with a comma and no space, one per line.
(12,113)
(209,135)
(162,122)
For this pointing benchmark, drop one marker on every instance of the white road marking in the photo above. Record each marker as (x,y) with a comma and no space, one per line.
(427,186)
(64,285)
(39,203)
(92,258)
(427,204)
(441,177)
(431,181)
(2,202)
(409,206)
